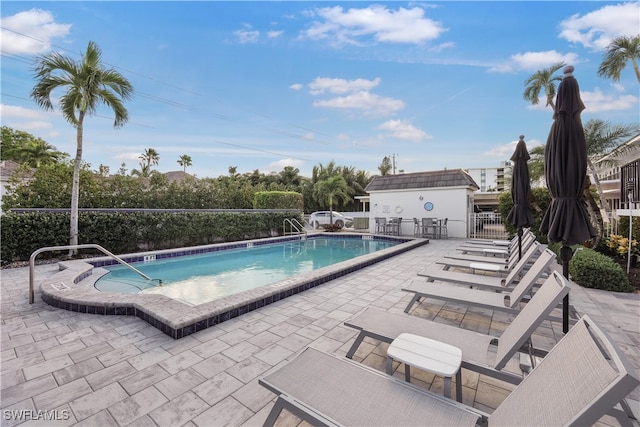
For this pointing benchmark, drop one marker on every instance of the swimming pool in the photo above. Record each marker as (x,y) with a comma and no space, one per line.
(73,288)
(196,279)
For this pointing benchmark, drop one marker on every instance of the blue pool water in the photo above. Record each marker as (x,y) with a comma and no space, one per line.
(196,279)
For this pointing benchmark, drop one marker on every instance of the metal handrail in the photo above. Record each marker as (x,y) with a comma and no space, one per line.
(297,226)
(32,260)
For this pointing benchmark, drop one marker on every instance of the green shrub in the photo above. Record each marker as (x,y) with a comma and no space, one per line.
(126,232)
(591,269)
(278,200)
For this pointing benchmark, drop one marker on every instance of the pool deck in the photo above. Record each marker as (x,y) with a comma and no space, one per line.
(95,370)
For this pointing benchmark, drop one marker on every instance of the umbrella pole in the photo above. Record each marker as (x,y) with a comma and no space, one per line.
(565,254)
(519,243)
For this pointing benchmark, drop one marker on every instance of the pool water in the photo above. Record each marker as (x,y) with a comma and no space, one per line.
(196,279)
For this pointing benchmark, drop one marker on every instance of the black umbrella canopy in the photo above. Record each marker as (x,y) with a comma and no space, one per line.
(565,161)
(520,214)
(565,169)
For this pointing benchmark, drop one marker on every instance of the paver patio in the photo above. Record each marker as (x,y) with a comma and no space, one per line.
(93,370)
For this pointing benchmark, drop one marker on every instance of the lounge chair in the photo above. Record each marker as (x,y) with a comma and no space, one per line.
(492,255)
(505,301)
(482,280)
(492,242)
(581,379)
(484,265)
(476,354)
(493,251)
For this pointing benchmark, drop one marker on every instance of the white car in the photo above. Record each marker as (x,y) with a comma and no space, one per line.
(323,217)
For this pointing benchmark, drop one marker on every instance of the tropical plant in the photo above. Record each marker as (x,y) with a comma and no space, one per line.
(150,157)
(24,148)
(604,147)
(385,166)
(184,161)
(330,190)
(88,84)
(543,80)
(620,51)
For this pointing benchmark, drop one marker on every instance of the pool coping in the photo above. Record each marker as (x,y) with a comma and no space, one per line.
(73,287)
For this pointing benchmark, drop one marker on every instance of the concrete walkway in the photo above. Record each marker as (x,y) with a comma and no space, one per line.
(65,368)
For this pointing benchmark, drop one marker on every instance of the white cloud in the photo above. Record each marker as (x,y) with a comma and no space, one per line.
(596,29)
(597,101)
(402,129)
(278,165)
(505,151)
(247,35)
(340,86)
(22,113)
(38,24)
(296,86)
(274,34)
(532,61)
(375,22)
(370,104)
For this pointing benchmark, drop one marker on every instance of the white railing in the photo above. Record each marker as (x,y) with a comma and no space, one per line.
(486,225)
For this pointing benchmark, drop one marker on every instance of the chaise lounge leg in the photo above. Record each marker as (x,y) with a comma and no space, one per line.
(416,298)
(356,344)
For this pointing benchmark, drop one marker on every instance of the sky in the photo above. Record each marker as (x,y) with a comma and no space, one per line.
(264,85)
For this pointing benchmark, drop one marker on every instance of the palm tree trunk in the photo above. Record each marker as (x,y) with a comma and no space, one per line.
(603,202)
(635,68)
(594,213)
(75,187)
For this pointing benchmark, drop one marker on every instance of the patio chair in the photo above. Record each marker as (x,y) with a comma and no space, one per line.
(476,355)
(581,379)
(381,225)
(508,301)
(485,281)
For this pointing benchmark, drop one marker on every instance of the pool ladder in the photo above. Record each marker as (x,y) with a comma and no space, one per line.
(294,227)
(32,261)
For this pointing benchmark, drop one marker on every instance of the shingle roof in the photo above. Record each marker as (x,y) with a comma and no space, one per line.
(432,179)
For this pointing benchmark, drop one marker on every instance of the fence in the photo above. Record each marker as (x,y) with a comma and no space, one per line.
(486,225)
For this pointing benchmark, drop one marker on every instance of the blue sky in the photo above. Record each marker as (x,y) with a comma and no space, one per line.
(263,85)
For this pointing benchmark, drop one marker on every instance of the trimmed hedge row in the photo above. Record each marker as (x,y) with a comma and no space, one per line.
(126,232)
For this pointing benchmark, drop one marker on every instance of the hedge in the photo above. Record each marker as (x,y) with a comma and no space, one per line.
(278,200)
(126,232)
(592,269)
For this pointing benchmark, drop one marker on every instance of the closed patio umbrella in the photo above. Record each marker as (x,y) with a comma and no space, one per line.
(565,170)
(520,215)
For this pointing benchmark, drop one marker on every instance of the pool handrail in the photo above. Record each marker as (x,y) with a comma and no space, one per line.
(295,225)
(32,261)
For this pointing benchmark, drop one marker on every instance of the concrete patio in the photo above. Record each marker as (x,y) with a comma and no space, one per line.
(93,370)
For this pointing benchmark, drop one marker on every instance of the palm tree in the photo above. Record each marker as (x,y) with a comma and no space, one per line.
(543,80)
(385,166)
(620,51)
(150,157)
(329,190)
(604,139)
(39,152)
(88,84)
(184,161)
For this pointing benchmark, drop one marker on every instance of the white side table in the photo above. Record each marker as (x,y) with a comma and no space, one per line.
(431,355)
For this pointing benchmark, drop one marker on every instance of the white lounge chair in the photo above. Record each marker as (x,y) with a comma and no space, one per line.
(493,242)
(470,278)
(483,252)
(486,265)
(505,301)
(581,379)
(476,354)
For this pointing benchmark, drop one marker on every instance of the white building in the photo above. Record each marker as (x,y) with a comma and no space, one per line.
(435,194)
